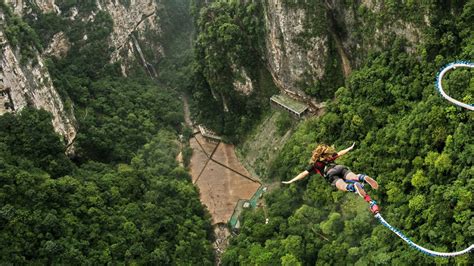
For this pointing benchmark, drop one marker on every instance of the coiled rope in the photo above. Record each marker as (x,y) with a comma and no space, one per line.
(439,86)
(420,248)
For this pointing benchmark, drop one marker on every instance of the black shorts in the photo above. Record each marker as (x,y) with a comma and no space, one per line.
(335,172)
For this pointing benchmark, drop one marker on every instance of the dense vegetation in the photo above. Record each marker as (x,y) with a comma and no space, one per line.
(116,201)
(97,213)
(229,43)
(124,200)
(20,34)
(175,69)
(418,146)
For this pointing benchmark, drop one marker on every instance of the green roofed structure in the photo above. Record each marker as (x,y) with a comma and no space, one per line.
(294,107)
(242,204)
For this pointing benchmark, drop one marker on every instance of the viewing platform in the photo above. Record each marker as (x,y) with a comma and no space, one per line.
(295,108)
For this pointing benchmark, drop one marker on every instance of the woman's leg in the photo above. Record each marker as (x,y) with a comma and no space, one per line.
(340,184)
(361,178)
(351,176)
(352,187)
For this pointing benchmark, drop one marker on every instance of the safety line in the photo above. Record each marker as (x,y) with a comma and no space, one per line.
(420,248)
(439,86)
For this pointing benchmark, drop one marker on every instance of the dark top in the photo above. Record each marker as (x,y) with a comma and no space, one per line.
(318,166)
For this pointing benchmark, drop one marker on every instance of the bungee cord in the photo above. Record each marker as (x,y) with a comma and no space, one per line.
(379,217)
(439,86)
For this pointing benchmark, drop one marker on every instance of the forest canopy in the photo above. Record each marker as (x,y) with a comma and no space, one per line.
(418,146)
(124,199)
(116,200)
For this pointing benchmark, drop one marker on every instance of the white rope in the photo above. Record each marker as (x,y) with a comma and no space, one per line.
(379,217)
(420,248)
(439,86)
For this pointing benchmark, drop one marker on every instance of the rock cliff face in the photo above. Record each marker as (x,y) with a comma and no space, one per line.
(242,83)
(140,17)
(21,6)
(362,32)
(287,60)
(137,17)
(59,46)
(300,33)
(30,84)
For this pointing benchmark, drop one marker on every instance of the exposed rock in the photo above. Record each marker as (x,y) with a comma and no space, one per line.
(48,6)
(374,6)
(294,66)
(17,5)
(74,13)
(138,17)
(377,37)
(141,16)
(59,46)
(134,45)
(222,237)
(31,85)
(409,31)
(288,62)
(20,6)
(242,83)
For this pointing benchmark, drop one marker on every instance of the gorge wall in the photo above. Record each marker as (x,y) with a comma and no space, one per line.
(303,38)
(247,51)
(309,49)
(30,84)
(26,81)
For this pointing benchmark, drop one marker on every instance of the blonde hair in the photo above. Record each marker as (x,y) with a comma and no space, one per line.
(322,152)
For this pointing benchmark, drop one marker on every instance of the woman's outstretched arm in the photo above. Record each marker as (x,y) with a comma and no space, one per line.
(340,153)
(298,177)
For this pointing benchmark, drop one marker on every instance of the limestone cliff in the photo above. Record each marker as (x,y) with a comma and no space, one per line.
(128,36)
(21,6)
(368,25)
(242,83)
(29,84)
(300,34)
(59,46)
(287,60)
(137,17)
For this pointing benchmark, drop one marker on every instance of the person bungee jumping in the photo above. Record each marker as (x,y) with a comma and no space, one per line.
(322,162)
